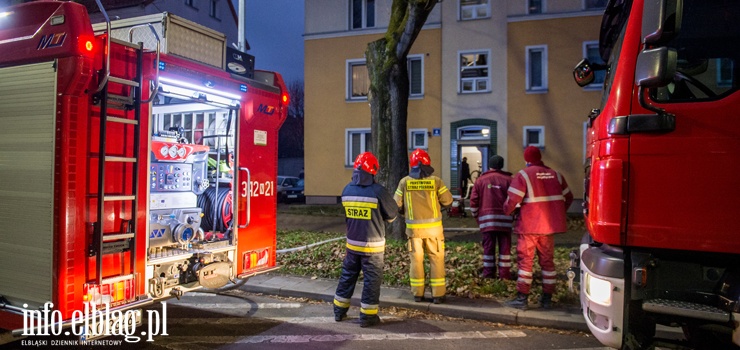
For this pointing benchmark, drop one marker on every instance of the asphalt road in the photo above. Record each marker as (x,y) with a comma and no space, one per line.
(243,320)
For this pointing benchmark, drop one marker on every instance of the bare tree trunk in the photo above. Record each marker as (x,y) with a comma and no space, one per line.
(389,93)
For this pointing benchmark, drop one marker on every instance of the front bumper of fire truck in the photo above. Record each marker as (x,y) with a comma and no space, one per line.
(602,293)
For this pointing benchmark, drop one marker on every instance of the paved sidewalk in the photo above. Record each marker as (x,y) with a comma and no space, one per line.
(478,309)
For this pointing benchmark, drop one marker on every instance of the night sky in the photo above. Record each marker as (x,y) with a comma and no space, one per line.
(275,34)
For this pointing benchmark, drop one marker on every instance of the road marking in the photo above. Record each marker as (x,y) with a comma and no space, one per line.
(346,337)
(240,305)
(258,319)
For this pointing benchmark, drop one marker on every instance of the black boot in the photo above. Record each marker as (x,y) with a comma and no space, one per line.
(340,313)
(368,321)
(520,302)
(546,301)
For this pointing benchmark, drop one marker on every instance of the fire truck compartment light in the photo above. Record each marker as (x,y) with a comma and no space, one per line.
(598,290)
(5,14)
(199,88)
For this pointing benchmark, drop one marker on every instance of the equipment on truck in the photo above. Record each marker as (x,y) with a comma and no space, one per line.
(116,139)
(660,184)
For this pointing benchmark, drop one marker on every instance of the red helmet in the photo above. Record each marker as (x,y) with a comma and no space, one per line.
(367,162)
(419,156)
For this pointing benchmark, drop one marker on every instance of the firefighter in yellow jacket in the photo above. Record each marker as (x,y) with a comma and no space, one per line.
(421,197)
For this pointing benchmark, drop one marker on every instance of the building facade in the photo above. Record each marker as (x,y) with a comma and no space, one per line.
(487,76)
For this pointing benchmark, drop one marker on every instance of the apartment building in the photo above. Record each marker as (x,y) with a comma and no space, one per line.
(336,109)
(488,77)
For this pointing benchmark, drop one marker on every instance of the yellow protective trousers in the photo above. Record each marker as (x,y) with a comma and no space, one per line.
(435,249)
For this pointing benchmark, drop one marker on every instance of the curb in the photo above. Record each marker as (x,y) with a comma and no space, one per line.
(476,309)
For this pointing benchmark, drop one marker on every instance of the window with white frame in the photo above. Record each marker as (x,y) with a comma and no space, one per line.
(594,4)
(724,72)
(356,142)
(536,62)
(358,80)
(474,9)
(474,71)
(535,6)
(418,138)
(362,14)
(591,51)
(416,75)
(534,136)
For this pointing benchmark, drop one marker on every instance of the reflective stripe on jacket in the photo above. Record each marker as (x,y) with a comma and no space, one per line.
(487,201)
(422,201)
(544,197)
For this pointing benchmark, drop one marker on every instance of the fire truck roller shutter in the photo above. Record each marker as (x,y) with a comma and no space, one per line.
(27,116)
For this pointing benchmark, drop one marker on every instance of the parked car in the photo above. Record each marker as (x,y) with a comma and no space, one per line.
(295,193)
(283,184)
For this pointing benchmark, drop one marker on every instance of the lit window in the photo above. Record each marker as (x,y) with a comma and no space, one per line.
(416,75)
(534,136)
(474,70)
(475,132)
(356,142)
(594,4)
(535,6)
(358,81)
(418,138)
(363,14)
(536,62)
(474,9)
(591,51)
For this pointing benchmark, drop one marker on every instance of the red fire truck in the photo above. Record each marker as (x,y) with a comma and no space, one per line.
(662,154)
(128,175)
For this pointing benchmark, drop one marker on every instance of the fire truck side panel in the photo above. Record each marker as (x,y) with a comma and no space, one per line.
(669,211)
(118,179)
(75,75)
(262,116)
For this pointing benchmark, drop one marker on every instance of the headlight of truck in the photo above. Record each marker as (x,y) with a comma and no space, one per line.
(599,290)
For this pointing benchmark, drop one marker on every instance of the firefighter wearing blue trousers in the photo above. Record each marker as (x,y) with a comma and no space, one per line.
(367,206)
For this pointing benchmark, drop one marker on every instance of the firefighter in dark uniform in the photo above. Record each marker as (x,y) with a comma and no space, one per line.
(367,206)
(421,197)
(487,206)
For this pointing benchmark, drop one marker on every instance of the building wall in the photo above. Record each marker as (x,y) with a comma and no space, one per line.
(564,107)
(328,114)
(481,34)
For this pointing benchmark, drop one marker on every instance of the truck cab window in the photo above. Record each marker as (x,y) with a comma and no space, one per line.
(707,56)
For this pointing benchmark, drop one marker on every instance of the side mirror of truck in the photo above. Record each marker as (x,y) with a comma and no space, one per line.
(655,67)
(583,73)
(661,22)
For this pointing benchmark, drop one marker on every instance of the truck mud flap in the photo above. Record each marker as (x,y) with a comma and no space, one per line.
(214,275)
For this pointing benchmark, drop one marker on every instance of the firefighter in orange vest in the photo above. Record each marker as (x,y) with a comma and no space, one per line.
(544,197)
(421,197)
(487,206)
(367,206)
